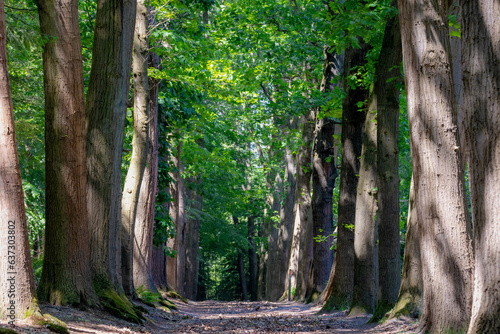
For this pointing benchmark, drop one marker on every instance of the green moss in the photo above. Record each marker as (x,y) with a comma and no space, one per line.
(8,331)
(381,312)
(314,295)
(408,305)
(173,294)
(336,304)
(117,303)
(52,323)
(168,303)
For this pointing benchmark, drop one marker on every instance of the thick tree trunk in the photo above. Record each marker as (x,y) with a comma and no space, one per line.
(132,209)
(409,301)
(444,227)
(252,258)
(106,108)
(387,92)
(17,300)
(296,262)
(352,142)
(159,267)
(365,226)
(481,84)
(323,178)
(65,278)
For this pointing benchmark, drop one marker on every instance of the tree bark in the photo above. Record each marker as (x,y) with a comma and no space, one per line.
(134,198)
(352,141)
(387,92)
(444,227)
(481,85)
(17,284)
(106,107)
(409,301)
(323,178)
(145,214)
(65,277)
(176,266)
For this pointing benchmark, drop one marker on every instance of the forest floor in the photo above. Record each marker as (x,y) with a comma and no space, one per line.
(220,317)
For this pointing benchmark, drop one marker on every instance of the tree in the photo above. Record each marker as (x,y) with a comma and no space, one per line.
(444,227)
(132,195)
(351,139)
(16,280)
(323,175)
(480,54)
(105,109)
(387,90)
(65,277)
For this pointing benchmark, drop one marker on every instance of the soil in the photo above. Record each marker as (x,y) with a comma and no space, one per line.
(220,317)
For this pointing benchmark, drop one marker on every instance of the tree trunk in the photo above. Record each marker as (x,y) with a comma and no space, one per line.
(134,198)
(241,268)
(176,266)
(192,245)
(387,92)
(106,108)
(365,226)
(17,284)
(145,213)
(444,227)
(65,278)
(323,178)
(481,84)
(409,301)
(352,141)
(302,206)
(159,267)
(252,258)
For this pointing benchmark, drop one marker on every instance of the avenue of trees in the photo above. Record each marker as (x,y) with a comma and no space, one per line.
(345,151)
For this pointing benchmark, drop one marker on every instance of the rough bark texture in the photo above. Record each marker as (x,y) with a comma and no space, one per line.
(159,267)
(302,206)
(132,192)
(145,213)
(387,92)
(409,301)
(106,107)
(365,226)
(17,299)
(444,227)
(481,84)
(65,278)
(323,178)
(352,141)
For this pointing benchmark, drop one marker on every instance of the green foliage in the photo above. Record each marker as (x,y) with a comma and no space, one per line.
(148,296)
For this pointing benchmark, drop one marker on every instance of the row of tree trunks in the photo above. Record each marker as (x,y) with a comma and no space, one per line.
(352,140)
(16,278)
(323,177)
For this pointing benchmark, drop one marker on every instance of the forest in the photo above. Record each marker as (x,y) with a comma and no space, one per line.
(343,154)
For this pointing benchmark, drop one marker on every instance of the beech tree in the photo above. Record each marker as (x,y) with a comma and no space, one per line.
(105,109)
(481,96)
(444,226)
(65,277)
(18,299)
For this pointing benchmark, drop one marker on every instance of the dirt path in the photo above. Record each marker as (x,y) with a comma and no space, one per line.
(221,317)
